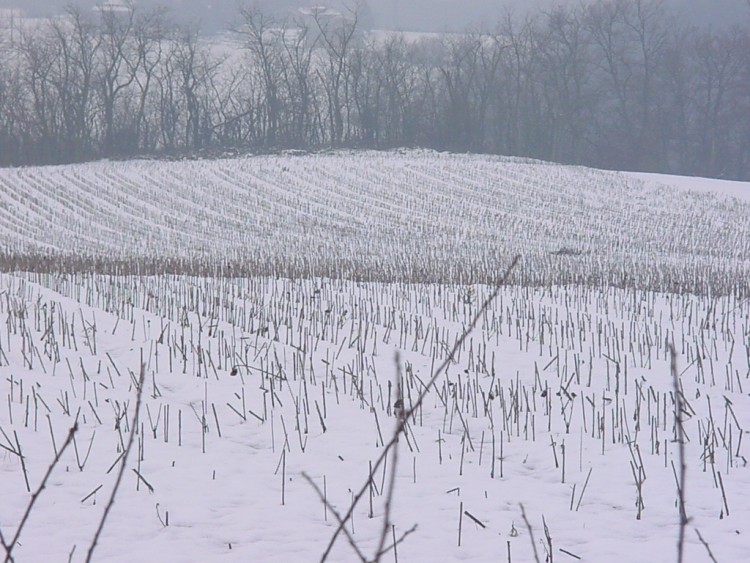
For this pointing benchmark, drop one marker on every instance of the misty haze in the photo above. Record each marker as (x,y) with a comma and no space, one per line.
(622,84)
(403,15)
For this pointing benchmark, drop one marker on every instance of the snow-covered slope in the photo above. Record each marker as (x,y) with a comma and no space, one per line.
(560,405)
(552,434)
(722,188)
(396,216)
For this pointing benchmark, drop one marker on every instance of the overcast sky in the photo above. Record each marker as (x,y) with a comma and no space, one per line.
(408,15)
(451,14)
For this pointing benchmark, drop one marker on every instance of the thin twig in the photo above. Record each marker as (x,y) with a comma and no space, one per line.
(547,536)
(392,483)
(9,547)
(573,555)
(531,533)
(337,515)
(705,544)
(143,480)
(418,402)
(585,484)
(475,519)
(5,547)
(681,449)
(121,472)
(406,534)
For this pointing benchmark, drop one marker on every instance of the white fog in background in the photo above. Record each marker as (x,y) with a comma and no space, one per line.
(405,15)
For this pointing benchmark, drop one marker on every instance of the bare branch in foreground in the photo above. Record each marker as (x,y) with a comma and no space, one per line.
(680,431)
(420,398)
(124,463)
(9,547)
(335,512)
(531,532)
(705,544)
(392,477)
(405,535)
(5,547)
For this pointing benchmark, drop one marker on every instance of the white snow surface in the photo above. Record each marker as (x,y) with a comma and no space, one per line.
(577,368)
(557,404)
(383,216)
(725,188)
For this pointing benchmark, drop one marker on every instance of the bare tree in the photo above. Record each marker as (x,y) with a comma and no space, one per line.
(630,37)
(170,106)
(149,36)
(337,33)
(38,55)
(676,99)
(11,104)
(196,69)
(119,62)
(228,102)
(458,72)
(297,71)
(263,38)
(718,64)
(609,83)
(566,69)
(517,105)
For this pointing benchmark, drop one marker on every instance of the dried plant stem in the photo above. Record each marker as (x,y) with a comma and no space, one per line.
(460,521)
(585,484)
(124,463)
(550,553)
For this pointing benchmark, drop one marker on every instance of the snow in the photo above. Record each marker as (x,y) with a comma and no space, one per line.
(231,494)
(726,188)
(584,367)
(384,216)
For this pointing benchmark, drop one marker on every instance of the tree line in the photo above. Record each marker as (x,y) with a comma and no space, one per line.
(611,83)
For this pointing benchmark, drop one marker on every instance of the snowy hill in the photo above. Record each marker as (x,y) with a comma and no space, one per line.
(249,414)
(397,216)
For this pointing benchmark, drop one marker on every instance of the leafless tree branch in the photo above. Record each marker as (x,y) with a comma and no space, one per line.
(705,544)
(680,431)
(9,547)
(409,413)
(392,477)
(531,533)
(123,465)
(335,512)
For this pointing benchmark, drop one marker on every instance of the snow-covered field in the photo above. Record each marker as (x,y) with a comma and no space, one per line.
(712,186)
(399,216)
(560,404)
